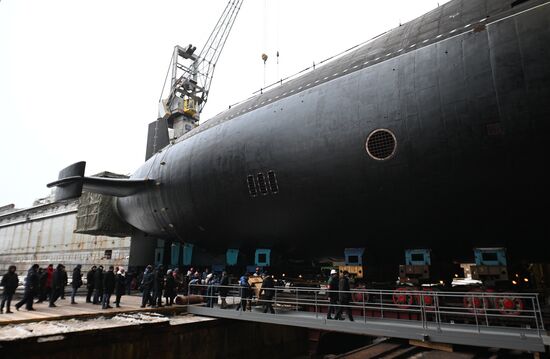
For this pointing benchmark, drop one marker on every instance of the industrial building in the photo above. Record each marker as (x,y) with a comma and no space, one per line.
(52,232)
(44,234)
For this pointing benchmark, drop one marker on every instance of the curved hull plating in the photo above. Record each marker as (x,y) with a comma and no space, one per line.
(469,111)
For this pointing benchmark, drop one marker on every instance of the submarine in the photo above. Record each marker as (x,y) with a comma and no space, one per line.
(432,135)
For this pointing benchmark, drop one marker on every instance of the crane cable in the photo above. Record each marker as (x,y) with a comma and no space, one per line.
(277,34)
(264,45)
(166,79)
(265,39)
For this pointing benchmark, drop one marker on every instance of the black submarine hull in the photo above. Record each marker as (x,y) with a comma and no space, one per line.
(463,91)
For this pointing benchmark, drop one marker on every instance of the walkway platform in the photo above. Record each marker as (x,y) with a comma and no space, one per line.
(498,337)
(471,319)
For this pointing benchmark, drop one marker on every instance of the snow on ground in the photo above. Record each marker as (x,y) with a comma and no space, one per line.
(47,328)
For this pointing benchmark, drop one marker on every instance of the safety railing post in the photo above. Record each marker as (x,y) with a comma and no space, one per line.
(485,309)
(241,292)
(423,312)
(297,299)
(475,313)
(539,314)
(316,313)
(437,312)
(364,310)
(381,305)
(275,300)
(536,315)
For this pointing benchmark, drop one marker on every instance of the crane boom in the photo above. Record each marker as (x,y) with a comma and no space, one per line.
(191,75)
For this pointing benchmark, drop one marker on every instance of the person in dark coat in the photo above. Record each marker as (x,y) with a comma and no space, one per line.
(146,285)
(31,286)
(42,291)
(98,285)
(158,286)
(268,291)
(211,290)
(170,288)
(10,282)
(193,286)
(129,279)
(344,297)
(64,281)
(244,292)
(90,284)
(76,282)
(57,284)
(333,287)
(120,285)
(108,287)
(223,289)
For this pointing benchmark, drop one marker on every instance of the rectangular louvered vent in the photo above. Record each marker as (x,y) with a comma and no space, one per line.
(272,179)
(251,186)
(261,183)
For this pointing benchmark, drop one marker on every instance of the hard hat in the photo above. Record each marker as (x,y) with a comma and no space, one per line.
(333,271)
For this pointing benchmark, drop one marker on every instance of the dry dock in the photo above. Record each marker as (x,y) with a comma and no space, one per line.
(85,331)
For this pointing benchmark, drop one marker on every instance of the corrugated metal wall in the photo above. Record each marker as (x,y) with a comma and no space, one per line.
(44,234)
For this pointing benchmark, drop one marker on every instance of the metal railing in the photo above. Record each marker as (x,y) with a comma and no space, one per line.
(430,309)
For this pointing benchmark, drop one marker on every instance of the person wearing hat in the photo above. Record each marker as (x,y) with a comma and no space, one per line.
(31,285)
(244,292)
(10,281)
(344,297)
(146,286)
(76,282)
(170,287)
(120,285)
(158,286)
(57,284)
(109,281)
(98,285)
(333,287)
(258,272)
(90,283)
(211,293)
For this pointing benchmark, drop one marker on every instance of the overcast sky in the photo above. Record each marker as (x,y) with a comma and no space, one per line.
(80,80)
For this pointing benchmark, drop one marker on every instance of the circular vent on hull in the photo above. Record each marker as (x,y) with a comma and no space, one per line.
(381,144)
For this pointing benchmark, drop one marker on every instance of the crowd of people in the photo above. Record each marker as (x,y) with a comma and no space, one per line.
(216,287)
(102,284)
(339,295)
(158,283)
(213,288)
(48,284)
